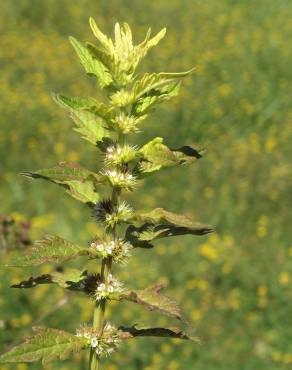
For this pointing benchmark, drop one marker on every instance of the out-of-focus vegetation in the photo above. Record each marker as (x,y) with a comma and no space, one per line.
(235,286)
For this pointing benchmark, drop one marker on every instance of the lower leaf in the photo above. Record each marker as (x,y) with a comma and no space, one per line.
(45,345)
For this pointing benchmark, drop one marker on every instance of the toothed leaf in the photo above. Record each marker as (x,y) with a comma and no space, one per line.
(153,300)
(79,182)
(91,65)
(157,155)
(45,345)
(50,249)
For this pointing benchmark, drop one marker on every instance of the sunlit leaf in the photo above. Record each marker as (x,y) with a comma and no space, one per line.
(45,345)
(157,155)
(92,65)
(79,182)
(50,249)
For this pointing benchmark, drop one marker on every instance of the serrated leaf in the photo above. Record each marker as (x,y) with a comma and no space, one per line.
(160,223)
(149,90)
(91,65)
(147,102)
(90,128)
(90,116)
(79,182)
(153,300)
(132,332)
(63,279)
(121,57)
(157,155)
(84,104)
(45,345)
(50,249)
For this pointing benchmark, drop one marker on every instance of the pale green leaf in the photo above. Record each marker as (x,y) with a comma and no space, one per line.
(89,127)
(50,249)
(92,65)
(45,345)
(157,155)
(79,182)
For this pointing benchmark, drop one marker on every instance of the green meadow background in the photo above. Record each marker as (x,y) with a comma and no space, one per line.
(235,286)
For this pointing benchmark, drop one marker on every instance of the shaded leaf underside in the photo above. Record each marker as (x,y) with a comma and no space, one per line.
(132,332)
(153,300)
(160,223)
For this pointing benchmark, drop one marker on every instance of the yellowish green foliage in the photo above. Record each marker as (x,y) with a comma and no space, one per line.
(237,105)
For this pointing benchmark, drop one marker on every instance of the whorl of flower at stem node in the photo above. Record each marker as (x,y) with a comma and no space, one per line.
(118,249)
(117,155)
(110,214)
(120,179)
(104,344)
(128,124)
(108,289)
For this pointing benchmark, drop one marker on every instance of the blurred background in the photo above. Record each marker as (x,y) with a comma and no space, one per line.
(235,286)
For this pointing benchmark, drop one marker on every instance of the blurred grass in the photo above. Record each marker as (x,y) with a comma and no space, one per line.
(235,286)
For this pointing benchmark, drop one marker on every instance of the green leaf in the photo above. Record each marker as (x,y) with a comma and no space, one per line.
(45,345)
(89,127)
(153,300)
(151,89)
(50,249)
(63,279)
(91,65)
(89,115)
(84,104)
(79,182)
(147,102)
(132,332)
(160,223)
(157,155)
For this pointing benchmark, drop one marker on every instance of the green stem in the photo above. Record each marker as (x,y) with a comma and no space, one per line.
(99,309)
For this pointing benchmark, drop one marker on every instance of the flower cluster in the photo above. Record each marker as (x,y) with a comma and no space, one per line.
(105,211)
(104,344)
(108,289)
(116,154)
(120,179)
(128,124)
(118,249)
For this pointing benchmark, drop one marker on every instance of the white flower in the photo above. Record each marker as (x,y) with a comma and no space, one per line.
(121,179)
(94,342)
(104,344)
(105,290)
(117,248)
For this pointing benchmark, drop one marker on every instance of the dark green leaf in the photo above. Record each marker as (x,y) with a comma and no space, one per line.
(63,279)
(132,332)
(160,223)
(45,345)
